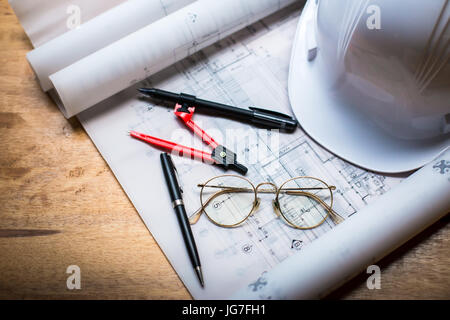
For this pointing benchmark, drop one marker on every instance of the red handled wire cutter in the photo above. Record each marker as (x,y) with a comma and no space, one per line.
(220,155)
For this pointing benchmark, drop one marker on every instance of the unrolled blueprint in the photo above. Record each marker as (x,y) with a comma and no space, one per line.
(249,68)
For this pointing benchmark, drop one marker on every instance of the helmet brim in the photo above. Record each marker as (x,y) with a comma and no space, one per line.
(340,128)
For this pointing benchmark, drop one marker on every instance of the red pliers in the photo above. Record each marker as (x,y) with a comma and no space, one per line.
(220,155)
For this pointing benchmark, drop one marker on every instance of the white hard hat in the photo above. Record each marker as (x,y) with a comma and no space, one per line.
(370,80)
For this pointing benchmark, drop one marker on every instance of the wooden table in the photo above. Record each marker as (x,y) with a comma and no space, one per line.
(60,205)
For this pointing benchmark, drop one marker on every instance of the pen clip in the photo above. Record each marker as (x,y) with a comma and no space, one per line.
(275,113)
(177,176)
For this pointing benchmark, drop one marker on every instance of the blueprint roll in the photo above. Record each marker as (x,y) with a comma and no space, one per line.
(97,33)
(152,48)
(381,227)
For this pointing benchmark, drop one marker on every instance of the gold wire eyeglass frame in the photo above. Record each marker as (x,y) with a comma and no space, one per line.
(276,204)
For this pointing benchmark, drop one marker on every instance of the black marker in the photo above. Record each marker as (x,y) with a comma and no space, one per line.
(177,203)
(267,118)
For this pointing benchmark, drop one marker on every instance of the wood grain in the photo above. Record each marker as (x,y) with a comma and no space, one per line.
(60,205)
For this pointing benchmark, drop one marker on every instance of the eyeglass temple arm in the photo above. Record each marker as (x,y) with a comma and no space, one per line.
(193,219)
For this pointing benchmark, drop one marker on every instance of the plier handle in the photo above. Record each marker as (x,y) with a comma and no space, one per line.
(220,155)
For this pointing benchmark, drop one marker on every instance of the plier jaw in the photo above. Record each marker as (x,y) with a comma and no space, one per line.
(226,159)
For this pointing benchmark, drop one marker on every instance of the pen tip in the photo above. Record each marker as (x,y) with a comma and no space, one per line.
(145,91)
(198,270)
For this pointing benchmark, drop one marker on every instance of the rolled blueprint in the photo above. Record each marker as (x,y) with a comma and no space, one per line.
(44,20)
(153,48)
(397,216)
(96,34)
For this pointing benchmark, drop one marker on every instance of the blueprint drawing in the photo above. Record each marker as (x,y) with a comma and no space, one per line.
(248,68)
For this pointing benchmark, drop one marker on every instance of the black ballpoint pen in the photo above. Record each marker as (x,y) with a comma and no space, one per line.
(267,118)
(177,203)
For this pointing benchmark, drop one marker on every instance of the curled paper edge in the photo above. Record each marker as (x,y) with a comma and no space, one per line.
(378,229)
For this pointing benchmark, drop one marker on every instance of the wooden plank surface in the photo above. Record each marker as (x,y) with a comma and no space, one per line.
(60,205)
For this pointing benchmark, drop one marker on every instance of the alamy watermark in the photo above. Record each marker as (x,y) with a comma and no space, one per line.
(374,281)
(74,19)
(250,146)
(73,282)
(373,22)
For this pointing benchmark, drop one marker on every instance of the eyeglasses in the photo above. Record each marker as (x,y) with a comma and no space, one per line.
(303,202)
